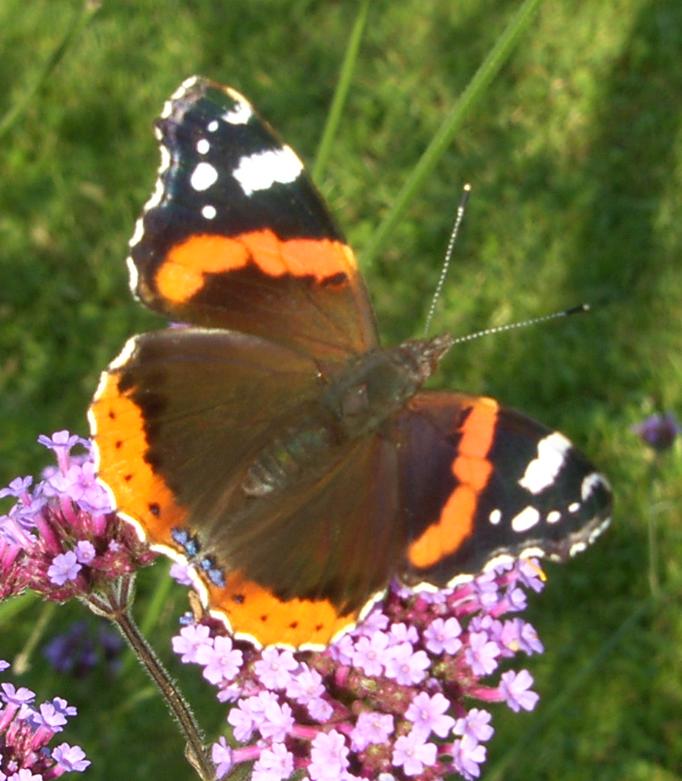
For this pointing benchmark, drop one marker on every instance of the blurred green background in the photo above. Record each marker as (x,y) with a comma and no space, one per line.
(574,156)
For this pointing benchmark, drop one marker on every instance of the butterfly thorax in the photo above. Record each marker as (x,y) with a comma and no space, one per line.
(377,384)
(357,401)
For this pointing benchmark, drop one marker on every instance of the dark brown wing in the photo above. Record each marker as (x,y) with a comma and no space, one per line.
(236,235)
(178,421)
(479,482)
(181,409)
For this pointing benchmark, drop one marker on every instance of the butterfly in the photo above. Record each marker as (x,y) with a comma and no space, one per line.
(267,438)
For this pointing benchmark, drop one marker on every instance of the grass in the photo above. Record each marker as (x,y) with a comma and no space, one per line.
(573,151)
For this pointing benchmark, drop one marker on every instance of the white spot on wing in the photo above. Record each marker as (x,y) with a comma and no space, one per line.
(543,469)
(240,114)
(260,171)
(525,520)
(553,516)
(573,507)
(208,211)
(532,553)
(212,126)
(495,517)
(203,176)
(497,561)
(599,530)
(589,483)
(164,165)
(155,198)
(133,275)
(137,233)
(577,547)
(125,355)
(166,111)
(186,85)
(203,146)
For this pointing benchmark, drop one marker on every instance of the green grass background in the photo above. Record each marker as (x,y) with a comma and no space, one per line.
(574,156)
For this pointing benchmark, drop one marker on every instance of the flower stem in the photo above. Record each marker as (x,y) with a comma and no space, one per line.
(115,605)
(652,528)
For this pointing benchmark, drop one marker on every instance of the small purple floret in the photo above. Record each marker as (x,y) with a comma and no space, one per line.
(658,431)
(515,688)
(64,567)
(468,755)
(329,756)
(70,757)
(413,753)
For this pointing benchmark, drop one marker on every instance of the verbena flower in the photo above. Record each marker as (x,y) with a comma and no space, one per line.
(26,729)
(658,431)
(61,537)
(398,697)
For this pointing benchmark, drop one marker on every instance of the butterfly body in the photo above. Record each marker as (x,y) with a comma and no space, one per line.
(270,440)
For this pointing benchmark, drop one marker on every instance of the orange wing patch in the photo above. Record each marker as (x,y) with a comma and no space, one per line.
(121,443)
(472,470)
(255,611)
(182,274)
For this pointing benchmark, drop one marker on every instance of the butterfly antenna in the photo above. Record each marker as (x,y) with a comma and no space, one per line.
(574,310)
(459,216)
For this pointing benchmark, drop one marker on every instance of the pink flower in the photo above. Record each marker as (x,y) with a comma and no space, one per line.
(467,756)
(429,714)
(275,668)
(413,754)
(329,756)
(515,688)
(383,699)
(406,665)
(371,727)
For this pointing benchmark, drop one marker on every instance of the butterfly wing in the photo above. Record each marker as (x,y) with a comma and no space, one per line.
(179,419)
(312,562)
(480,483)
(236,235)
(181,409)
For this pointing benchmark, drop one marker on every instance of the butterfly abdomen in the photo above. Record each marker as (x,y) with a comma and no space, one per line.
(290,455)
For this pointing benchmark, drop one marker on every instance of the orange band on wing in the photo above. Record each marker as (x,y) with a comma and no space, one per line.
(122,445)
(182,273)
(257,612)
(472,471)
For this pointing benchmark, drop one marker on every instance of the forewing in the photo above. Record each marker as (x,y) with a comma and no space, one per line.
(180,411)
(480,482)
(236,235)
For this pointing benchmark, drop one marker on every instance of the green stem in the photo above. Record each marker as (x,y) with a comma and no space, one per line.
(115,605)
(22,661)
(341,92)
(155,605)
(652,534)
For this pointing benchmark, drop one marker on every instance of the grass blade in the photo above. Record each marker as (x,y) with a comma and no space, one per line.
(80,21)
(473,92)
(341,92)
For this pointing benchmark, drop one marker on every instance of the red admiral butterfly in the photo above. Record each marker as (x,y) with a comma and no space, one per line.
(269,439)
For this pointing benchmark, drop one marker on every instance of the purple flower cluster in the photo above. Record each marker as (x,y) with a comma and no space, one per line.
(390,700)
(658,431)
(82,647)
(61,537)
(25,731)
